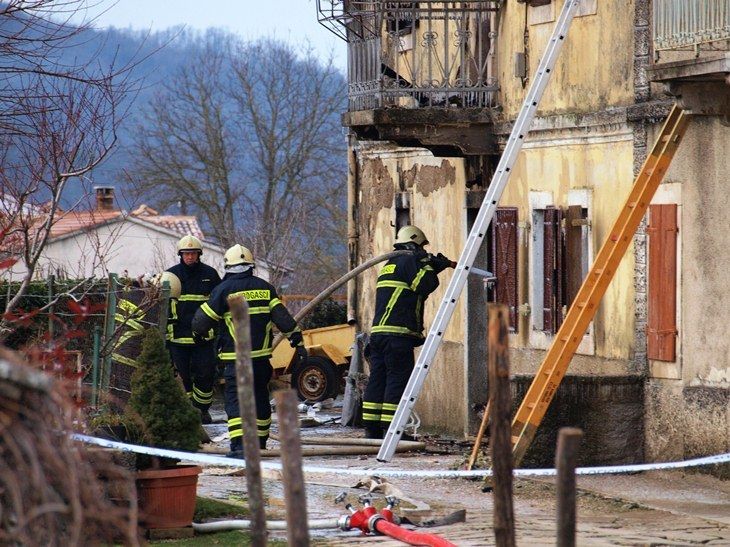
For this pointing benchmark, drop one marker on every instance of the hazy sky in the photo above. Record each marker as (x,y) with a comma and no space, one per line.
(294,21)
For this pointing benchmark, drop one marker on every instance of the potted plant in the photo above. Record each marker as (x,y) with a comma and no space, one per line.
(166,491)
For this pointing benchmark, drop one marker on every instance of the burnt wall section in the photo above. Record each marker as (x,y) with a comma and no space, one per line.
(609,410)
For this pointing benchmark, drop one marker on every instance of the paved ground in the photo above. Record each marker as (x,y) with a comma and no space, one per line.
(657,508)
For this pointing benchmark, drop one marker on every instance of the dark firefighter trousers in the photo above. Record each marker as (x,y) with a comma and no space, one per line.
(391,363)
(262,372)
(196,366)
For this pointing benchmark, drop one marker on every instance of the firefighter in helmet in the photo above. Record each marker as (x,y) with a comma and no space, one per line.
(264,309)
(403,286)
(193,356)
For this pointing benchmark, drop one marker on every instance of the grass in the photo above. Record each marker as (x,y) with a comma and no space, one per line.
(208,509)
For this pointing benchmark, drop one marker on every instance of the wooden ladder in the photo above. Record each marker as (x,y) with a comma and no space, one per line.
(584,306)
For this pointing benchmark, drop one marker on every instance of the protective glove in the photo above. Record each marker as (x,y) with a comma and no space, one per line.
(439,263)
(302,355)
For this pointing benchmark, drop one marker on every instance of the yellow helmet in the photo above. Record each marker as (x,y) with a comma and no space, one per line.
(238,254)
(173,280)
(189,243)
(411,234)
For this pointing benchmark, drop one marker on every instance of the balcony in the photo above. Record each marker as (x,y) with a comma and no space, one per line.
(691,39)
(419,72)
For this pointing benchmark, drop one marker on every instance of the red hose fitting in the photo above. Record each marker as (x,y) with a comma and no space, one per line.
(359,519)
(410,537)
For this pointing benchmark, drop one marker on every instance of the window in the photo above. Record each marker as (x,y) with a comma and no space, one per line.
(402,210)
(560,256)
(662,297)
(502,241)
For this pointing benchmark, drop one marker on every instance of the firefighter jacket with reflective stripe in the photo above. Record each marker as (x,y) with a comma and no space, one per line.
(404,283)
(197,282)
(264,308)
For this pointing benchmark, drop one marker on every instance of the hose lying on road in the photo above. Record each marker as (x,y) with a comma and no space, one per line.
(409,536)
(221,525)
(337,284)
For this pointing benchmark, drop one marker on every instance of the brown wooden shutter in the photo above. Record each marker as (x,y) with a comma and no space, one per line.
(504,260)
(662,326)
(552,260)
(573,252)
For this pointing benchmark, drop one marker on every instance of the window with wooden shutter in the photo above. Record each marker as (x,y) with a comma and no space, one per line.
(503,260)
(553,277)
(662,301)
(576,250)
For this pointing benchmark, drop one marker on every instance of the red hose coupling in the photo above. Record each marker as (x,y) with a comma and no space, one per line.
(360,519)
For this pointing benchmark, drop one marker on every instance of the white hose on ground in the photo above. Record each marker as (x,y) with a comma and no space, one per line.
(222,525)
(337,284)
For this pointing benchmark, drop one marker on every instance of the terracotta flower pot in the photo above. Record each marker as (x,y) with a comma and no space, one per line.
(167,496)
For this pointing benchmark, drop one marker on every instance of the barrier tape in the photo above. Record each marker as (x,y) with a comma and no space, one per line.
(390,472)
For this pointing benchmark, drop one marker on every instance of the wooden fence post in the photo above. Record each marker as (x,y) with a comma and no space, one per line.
(566,458)
(501,427)
(247,408)
(295,494)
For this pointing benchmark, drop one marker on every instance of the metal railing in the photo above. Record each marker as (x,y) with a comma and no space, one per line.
(417,54)
(680,24)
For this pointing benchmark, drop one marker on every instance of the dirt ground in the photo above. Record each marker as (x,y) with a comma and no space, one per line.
(654,508)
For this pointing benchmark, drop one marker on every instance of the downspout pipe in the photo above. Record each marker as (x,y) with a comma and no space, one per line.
(353,234)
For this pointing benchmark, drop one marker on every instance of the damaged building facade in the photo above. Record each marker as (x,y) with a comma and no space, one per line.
(433,90)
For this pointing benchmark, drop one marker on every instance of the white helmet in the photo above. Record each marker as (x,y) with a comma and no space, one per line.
(189,243)
(173,281)
(238,254)
(411,234)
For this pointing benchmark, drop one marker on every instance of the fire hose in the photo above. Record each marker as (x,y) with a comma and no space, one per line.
(337,284)
(368,520)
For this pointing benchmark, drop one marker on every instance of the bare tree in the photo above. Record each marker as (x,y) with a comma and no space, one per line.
(248,137)
(58,121)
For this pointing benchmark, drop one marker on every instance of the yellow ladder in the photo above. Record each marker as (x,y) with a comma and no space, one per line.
(584,306)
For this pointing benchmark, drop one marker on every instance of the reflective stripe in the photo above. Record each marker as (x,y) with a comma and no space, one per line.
(419,276)
(207,310)
(128,321)
(173,308)
(231,356)
(256,310)
(124,360)
(368,404)
(263,423)
(274,302)
(235,433)
(387,269)
(130,308)
(188,341)
(392,407)
(234,422)
(254,294)
(371,417)
(387,329)
(126,336)
(203,397)
(393,284)
(263,433)
(193,298)
(386,418)
(288,334)
(391,304)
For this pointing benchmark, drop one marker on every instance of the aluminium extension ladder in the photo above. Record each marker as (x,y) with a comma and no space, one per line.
(478,231)
(584,306)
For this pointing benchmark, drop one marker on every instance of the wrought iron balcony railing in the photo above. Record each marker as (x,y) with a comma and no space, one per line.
(680,24)
(421,54)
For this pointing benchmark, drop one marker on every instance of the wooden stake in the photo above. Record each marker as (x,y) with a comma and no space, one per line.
(500,439)
(247,409)
(295,494)
(566,458)
(480,436)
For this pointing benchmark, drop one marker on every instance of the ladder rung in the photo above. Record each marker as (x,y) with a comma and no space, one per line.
(515,438)
(631,204)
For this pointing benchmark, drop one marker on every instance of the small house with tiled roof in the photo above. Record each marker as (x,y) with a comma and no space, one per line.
(97,242)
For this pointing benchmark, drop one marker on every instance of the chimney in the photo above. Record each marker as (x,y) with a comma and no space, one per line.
(104,198)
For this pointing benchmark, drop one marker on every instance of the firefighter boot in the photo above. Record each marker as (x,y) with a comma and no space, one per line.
(262,442)
(236,448)
(373,432)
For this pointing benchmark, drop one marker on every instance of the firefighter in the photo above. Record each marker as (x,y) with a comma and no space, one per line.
(264,309)
(403,286)
(193,356)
